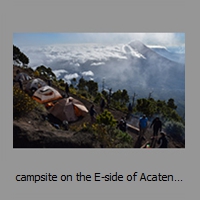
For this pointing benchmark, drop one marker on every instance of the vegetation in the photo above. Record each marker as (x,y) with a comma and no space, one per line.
(46,73)
(106,133)
(175,130)
(106,118)
(89,86)
(152,107)
(22,103)
(20,57)
(119,100)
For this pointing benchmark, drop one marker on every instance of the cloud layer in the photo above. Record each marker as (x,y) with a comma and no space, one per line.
(113,62)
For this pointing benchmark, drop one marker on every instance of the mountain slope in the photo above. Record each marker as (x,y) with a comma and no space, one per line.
(176,57)
(36,130)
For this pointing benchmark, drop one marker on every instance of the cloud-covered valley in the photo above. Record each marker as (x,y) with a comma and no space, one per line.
(132,66)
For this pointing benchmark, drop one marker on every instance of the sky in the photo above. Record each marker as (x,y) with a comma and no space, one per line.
(33,39)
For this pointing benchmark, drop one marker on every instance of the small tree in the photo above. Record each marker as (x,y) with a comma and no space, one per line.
(45,72)
(171,104)
(106,118)
(92,87)
(121,96)
(20,57)
(82,84)
(147,106)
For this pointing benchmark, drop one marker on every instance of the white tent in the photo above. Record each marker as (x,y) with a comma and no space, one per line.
(46,94)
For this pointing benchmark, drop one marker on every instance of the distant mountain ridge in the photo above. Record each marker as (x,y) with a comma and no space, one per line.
(149,70)
(142,67)
(177,57)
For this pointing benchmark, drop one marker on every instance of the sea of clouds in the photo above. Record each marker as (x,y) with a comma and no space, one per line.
(70,61)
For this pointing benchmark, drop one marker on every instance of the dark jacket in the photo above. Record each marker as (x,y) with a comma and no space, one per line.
(92,111)
(163,142)
(157,124)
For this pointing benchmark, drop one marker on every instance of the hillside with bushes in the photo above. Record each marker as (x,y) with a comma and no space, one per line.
(35,127)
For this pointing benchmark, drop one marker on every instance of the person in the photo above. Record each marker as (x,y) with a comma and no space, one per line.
(92,113)
(130,108)
(67,89)
(143,123)
(157,126)
(65,124)
(102,104)
(49,82)
(162,141)
(122,124)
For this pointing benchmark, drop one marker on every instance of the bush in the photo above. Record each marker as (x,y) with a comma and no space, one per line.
(22,102)
(175,129)
(110,137)
(97,98)
(83,94)
(106,118)
(106,132)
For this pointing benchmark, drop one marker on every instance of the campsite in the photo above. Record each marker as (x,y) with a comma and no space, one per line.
(42,126)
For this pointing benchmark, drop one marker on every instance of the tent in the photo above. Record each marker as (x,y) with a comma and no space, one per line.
(34,84)
(22,76)
(46,94)
(68,109)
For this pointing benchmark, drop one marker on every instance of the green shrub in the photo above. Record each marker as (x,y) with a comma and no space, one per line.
(97,98)
(175,129)
(109,136)
(22,102)
(106,118)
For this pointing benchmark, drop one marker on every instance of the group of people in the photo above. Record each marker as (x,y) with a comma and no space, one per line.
(156,124)
(157,127)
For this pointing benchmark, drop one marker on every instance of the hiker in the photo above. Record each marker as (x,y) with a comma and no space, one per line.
(65,124)
(92,113)
(102,104)
(125,127)
(157,125)
(143,123)
(122,124)
(162,141)
(130,108)
(49,82)
(67,89)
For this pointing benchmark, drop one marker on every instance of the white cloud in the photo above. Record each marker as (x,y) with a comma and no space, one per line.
(71,76)
(88,73)
(59,72)
(157,46)
(97,63)
(73,55)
